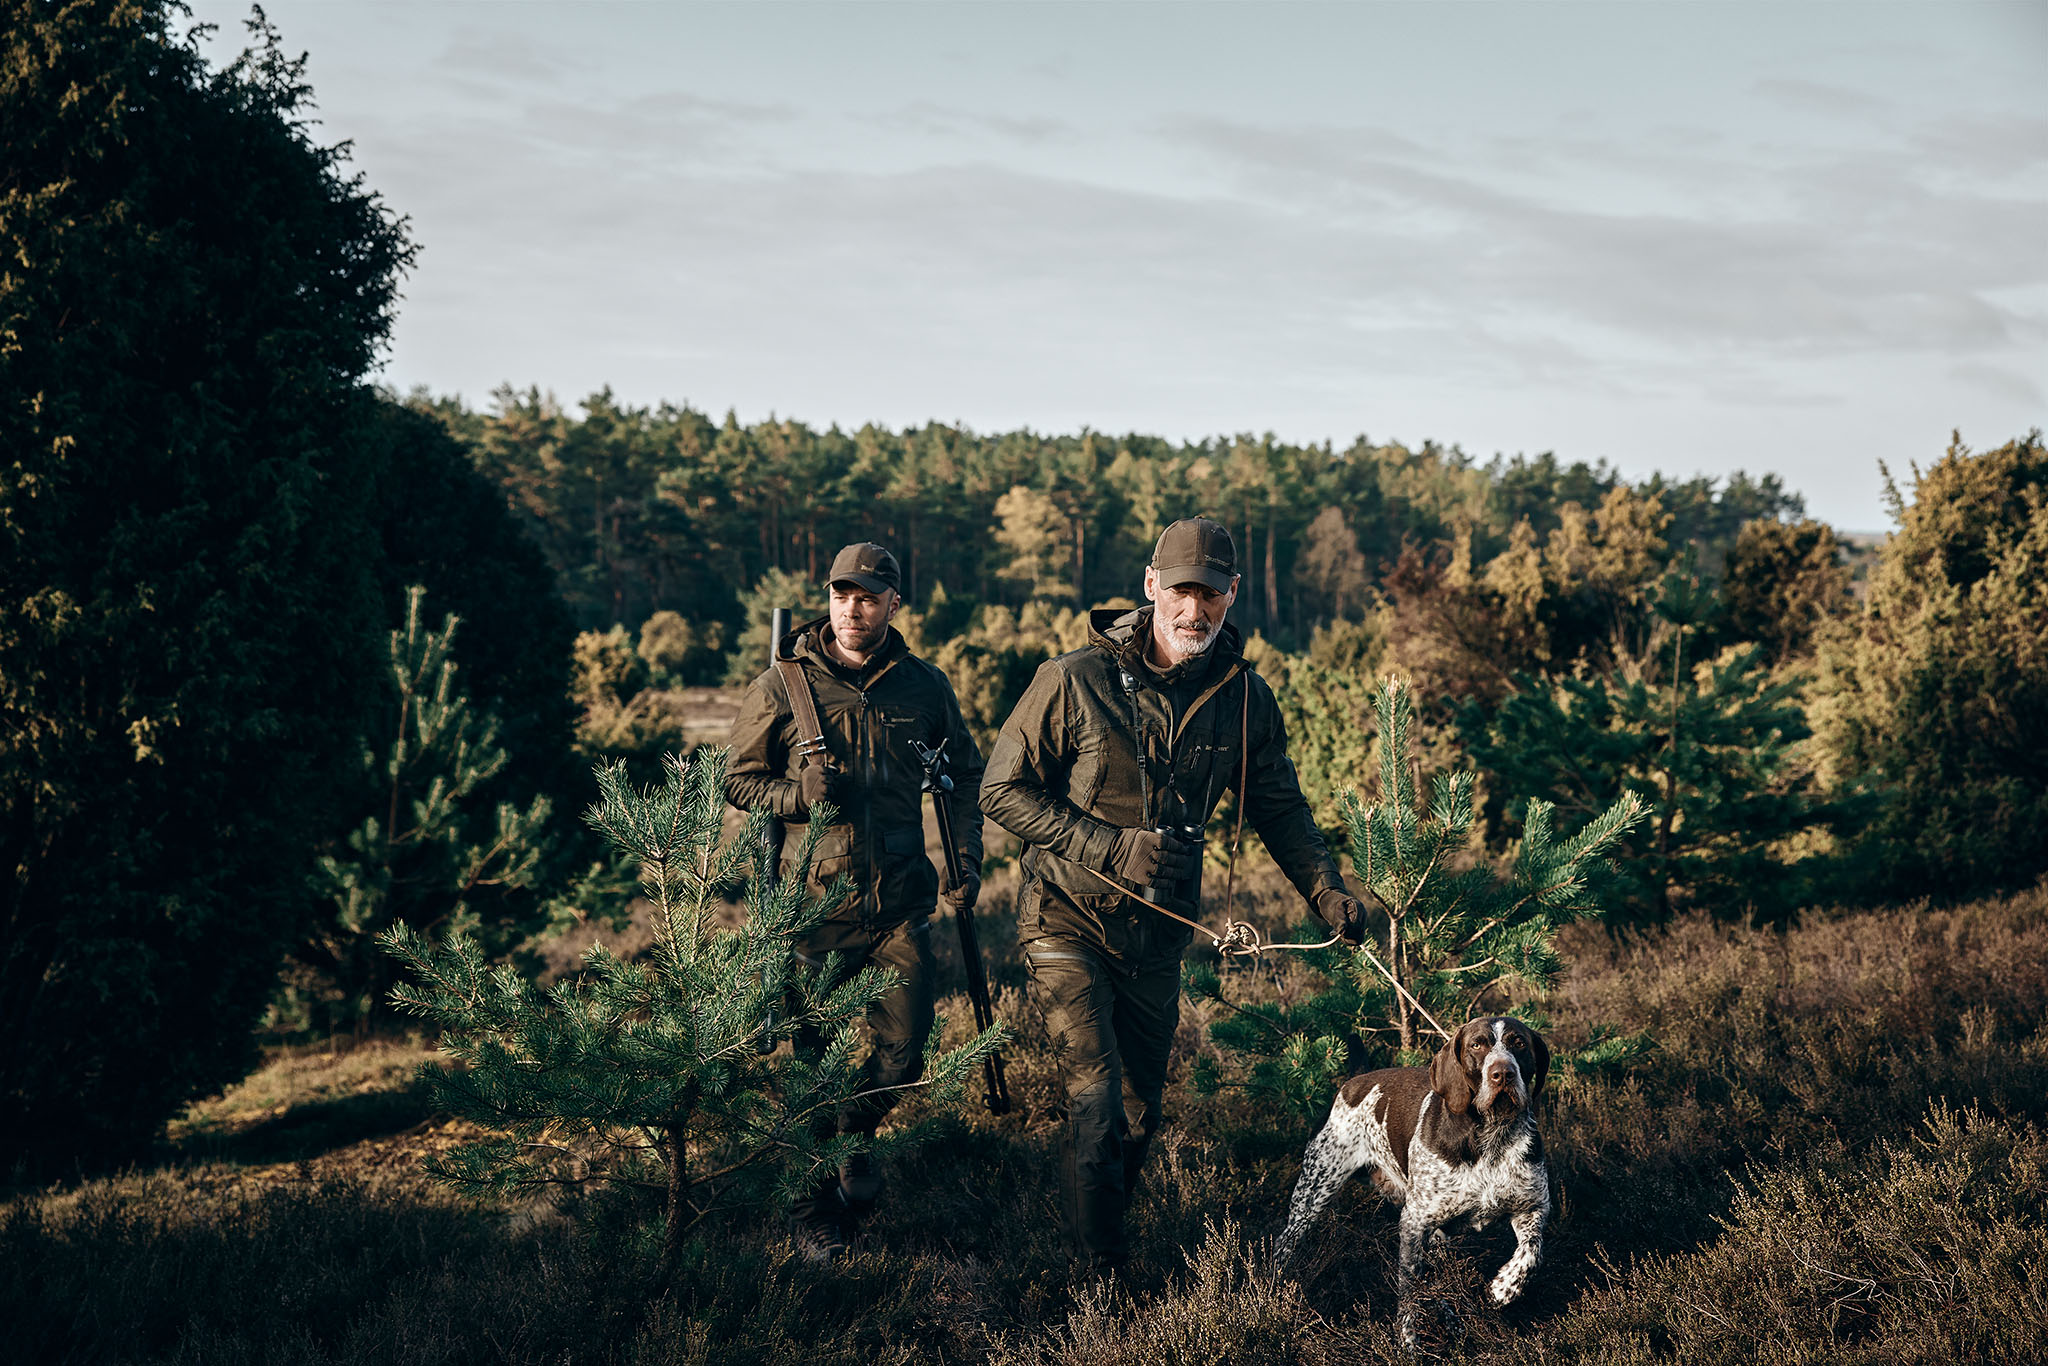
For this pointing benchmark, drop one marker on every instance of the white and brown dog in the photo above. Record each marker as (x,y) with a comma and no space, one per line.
(1454,1140)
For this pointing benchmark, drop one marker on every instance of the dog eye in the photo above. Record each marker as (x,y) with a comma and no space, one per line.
(1515,1042)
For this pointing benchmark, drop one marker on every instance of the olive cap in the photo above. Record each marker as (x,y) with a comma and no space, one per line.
(868,565)
(1196,550)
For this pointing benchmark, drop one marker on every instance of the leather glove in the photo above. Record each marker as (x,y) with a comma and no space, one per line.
(817,784)
(963,894)
(1343,913)
(1151,858)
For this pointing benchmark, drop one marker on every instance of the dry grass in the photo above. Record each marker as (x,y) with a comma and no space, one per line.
(1836,1154)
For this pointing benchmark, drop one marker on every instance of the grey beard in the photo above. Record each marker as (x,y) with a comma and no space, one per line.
(1182,651)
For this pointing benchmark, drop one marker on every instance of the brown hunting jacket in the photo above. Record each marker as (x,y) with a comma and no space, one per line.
(1065,776)
(870,716)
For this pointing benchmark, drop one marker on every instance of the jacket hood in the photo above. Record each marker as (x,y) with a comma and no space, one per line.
(1122,632)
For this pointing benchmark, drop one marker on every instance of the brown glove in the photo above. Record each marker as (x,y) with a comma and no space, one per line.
(818,784)
(1150,858)
(1343,913)
(962,895)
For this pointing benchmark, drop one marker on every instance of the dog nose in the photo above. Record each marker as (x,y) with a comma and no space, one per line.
(1500,1074)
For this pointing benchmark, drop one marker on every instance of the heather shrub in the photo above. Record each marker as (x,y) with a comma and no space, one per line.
(1835,1153)
(1925,1248)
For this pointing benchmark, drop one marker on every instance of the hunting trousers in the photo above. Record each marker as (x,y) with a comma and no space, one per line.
(898,1025)
(1112,1026)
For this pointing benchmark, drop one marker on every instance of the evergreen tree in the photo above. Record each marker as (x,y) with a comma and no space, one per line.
(1783,583)
(1035,539)
(1455,935)
(1708,745)
(652,1073)
(188,600)
(805,598)
(681,653)
(1938,690)
(444,526)
(433,852)
(623,715)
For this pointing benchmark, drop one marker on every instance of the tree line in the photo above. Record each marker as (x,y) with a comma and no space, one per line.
(646,509)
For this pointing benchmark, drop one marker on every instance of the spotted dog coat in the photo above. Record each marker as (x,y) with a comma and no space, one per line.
(1454,1140)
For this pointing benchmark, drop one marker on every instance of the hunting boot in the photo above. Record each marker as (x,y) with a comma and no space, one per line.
(860,1184)
(818,1223)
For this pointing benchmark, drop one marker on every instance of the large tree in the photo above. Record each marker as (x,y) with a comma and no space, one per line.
(194,289)
(1938,691)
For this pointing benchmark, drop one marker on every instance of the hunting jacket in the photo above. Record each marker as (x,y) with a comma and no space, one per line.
(1065,776)
(870,717)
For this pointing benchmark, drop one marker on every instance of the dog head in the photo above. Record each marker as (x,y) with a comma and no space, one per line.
(1489,1064)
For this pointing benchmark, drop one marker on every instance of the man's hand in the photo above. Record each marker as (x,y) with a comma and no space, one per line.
(1343,913)
(817,784)
(1151,858)
(963,893)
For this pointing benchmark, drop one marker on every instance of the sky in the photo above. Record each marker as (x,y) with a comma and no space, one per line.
(1798,238)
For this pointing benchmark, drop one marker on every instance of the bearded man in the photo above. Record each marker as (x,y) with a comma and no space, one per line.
(1108,770)
(872,701)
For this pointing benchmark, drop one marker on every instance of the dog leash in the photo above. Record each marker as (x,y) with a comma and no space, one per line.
(1241,939)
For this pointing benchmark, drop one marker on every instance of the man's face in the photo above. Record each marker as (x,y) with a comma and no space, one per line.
(860,619)
(1187,616)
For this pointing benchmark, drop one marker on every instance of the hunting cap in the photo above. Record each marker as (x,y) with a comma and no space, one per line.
(868,565)
(1195,550)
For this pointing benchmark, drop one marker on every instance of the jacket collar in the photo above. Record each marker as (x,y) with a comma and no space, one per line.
(1123,634)
(807,642)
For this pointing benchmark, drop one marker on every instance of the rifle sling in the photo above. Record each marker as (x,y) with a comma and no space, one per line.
(803,704)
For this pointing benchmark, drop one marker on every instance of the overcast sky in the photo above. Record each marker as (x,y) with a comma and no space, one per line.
(1792,237)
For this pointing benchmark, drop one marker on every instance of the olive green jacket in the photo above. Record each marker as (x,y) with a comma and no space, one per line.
(870,716)
(1065,777)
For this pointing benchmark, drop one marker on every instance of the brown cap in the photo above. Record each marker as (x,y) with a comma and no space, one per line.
(1195,550)
(868,565)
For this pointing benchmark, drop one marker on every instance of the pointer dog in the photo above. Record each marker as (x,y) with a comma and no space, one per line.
(1454,1140)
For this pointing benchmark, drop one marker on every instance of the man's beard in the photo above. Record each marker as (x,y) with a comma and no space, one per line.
(1182,648)
(861,641)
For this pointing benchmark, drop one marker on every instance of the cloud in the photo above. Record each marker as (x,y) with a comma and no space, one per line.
(1986,145)
(2009,385)
(1663,296)
(1833,255)
(1813,97)
(500,55)
(937,120)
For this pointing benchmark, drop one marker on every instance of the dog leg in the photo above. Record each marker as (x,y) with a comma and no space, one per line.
(1418,1232)
(1332,1159)
(1528,1226)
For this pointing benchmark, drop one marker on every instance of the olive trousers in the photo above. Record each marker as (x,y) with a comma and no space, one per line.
(898,1025)
(1112,1025)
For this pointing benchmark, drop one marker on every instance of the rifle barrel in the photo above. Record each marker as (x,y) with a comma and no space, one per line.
(997,1096)
(772,832)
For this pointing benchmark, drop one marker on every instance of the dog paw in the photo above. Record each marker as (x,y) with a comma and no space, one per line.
(1503,1292)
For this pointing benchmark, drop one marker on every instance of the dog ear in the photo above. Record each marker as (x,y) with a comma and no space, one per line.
(1540,1071)
(1448,1078)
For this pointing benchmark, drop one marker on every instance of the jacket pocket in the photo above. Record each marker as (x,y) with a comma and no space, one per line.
(909,881)
(1090,770)
(1030,908)
(832,857)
